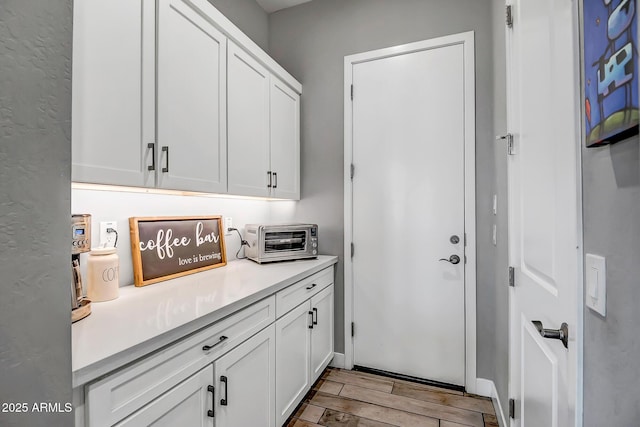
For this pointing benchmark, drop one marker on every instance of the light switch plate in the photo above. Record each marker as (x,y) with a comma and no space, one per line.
(596,283)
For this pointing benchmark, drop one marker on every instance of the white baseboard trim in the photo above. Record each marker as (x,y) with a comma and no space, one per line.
(338,360)
(487,388)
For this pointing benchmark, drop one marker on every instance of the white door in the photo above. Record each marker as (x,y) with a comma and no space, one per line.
(187,404)
(292,360)
(543,210)
(245,378)
(192,103)
(408,212)
(113,92)
(248,110)
(285,140)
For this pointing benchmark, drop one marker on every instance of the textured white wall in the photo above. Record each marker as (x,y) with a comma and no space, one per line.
(35,167)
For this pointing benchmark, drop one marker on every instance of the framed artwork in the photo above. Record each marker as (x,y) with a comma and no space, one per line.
(610,71)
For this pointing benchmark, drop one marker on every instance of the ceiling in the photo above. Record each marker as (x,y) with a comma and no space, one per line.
(273,5)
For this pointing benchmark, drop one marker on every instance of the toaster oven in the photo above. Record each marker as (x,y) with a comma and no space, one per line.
(267,243)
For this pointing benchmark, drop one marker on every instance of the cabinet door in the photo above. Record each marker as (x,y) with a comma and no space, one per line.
(187,404)
(248,110)
(191,100)
(113,91)
(322,332)
(292,360)
(285,140)
(245,383)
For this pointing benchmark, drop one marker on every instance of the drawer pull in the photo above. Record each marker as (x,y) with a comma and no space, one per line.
(209,347)
(211,390)
(314,320)
(311,287)
(224,401)
(311,324)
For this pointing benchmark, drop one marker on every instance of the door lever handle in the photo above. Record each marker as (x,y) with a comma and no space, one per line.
(561,334)
(453,259)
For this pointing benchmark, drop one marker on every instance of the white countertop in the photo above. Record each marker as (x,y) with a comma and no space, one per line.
(145,319)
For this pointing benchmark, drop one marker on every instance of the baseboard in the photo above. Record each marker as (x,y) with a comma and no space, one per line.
(338,360)
(487,388)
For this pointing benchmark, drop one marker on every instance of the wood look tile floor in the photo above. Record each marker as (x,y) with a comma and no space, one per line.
(356,399)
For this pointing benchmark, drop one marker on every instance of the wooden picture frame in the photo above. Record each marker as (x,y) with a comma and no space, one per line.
(164,248)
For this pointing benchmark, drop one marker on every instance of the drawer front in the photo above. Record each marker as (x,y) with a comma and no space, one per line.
(118,395)
(289,298)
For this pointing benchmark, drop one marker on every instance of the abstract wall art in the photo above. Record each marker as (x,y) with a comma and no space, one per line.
(610,71)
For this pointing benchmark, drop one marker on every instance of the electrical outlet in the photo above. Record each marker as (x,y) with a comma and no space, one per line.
(108,240)
(228,223)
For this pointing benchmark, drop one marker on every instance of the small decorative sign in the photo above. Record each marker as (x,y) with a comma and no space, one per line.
(164,248)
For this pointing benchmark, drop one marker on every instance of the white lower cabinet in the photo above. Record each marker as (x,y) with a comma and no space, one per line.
(245,378)
(249,369)
(187,404)
(304,338)
(322,332)
(292,360)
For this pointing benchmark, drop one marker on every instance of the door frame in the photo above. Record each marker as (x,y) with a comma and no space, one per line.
(467,40)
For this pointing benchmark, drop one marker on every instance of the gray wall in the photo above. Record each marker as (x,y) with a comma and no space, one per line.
(611,198)
(500,297)
(35,167)
(310,41)
(248,16)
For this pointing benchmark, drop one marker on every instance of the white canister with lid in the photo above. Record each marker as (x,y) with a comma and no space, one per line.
(103,270)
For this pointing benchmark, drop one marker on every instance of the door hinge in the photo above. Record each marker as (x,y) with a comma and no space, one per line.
(353,328)
(465,239)
(353,249)
(512,277)
(353,171)
(512,408)
(352,92)
(509,16)
(509,138)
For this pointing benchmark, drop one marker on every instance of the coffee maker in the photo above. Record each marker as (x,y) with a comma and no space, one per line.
(80,243)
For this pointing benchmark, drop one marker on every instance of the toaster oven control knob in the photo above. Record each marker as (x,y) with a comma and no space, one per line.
(315,252)
(315,245)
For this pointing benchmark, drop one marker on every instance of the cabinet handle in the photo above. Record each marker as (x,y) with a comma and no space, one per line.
(269,175)
(311,320)
(211,390)
(315,311)
(224,401)
(209,347)
(165,149)
(275,180)
(311,287)
(152,146)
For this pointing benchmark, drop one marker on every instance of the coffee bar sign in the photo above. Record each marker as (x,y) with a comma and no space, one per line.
(168,247)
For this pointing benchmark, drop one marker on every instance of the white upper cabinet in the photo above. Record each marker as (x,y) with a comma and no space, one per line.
(248,117)
(113,91)
(191,101)
(171,94)
(285,141)
(264,130)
